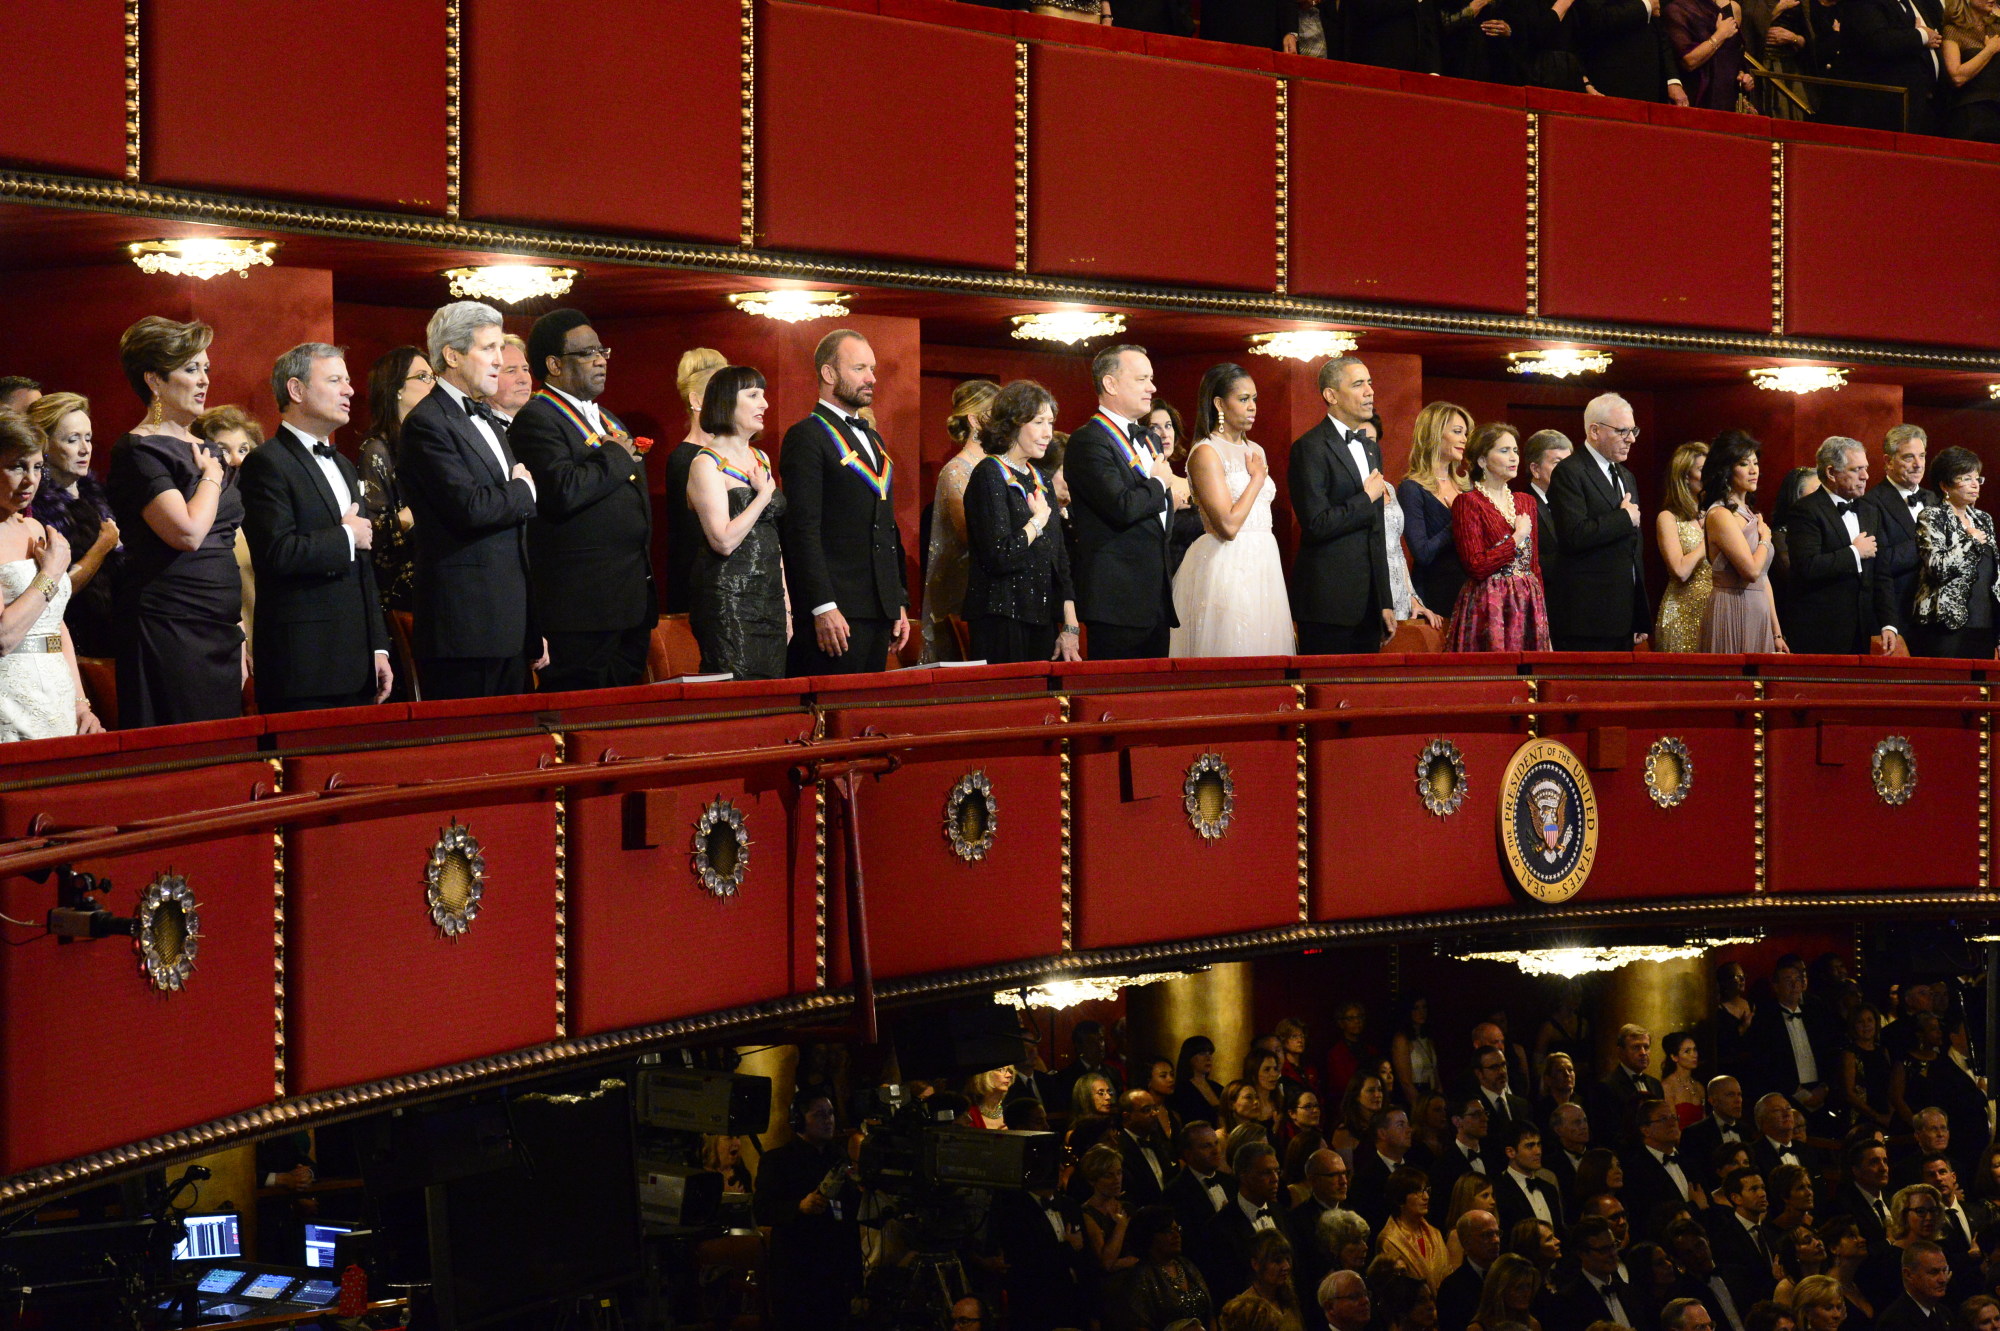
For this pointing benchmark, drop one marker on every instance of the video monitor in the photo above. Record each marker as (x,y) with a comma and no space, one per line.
(209,1237)
(220,1281)
(320,1241)
(266,1286)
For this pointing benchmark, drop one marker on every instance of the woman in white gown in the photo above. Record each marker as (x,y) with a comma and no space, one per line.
(41,696)
(1230,592)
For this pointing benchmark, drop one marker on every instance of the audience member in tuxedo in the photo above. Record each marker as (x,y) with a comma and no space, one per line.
(1794,1055)
(1478,1234)
(1040,1236)
(1863,1196)
(1393,34)
(843,550)
(1019,598)
(684,536)
(1624,1087)
(1466,1151)
(1340,587)
(1598,591)
(1626,51)
(1432,484)
(1864,1070)
(1564,1147)
(1407,1234)
(397,381)
(1777,1136)
(321,641)
(72,502)
(1344,1301)
(1687,1315)
(1739,1239)
(1655,1169)
(1930,1130)
(1518,1190)
(1478,42)
(1929,1078)
(1839,594)
(1596,1292)
(1270,24)
(1926,1283)
(1254,1210)
(1896,42)
(1958,1225)
(1148,1160)
(1724,1122)
(1952,603)
(1197,1095)
(1490,1080)
(1351,1053)
(476,634)
(1088,1044)
(517,381)
(1901,499)
(1389,1133)
(1689,1244)
(179,602)
(590,547)
(1171,17)
(806,1195)
(1124,495)
(1540,456)
(1197,1192)
(1326,1179)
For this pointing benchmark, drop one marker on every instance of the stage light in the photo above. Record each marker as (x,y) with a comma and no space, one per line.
(792,305)
(510,283)
(201,256)
(1799,378)
(1068,327)
(1558,362)
(1306,344)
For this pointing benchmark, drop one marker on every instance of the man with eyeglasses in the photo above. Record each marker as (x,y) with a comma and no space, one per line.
(590,544)
(1597,1294)
(1840,594)
(1959,1224)
(968,1314)
(1343,1298)
(1655,1171)
(1465,1153)
(1327,1175)
(1597,595)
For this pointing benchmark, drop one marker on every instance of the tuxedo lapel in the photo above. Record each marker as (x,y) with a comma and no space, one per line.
(1341,453)
(468,434)
(301,456)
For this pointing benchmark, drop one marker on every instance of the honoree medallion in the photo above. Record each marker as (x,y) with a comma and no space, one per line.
(1548,821)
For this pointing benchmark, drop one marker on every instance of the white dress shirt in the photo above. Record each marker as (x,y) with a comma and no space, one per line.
(1795,1031)
(1613,1304)
(484,430)
(588,410)
(1212,1185)
(1536,1202)
(1146,1151)
(1609,470)
(1356,448)
(1674,1171)
(1472,1159)
(1268,1220)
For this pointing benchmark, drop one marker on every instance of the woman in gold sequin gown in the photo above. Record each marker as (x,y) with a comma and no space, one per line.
(1678,531)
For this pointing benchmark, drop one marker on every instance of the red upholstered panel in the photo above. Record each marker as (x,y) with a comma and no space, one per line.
(374,990)
(928,910)
(937,186)
(647,942)
(376,74)
(1365,226)
(1221,124)
(1819,763)
(662,155)
(1704,845)
(1645,224)
(62,104)
(1841,281)
(1141,871)
(91,1056)
(1375,849)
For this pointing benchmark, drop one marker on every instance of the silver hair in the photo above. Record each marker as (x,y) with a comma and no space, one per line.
(1834,452)
(454,326)
(1329,1288)
(297,364)
(1339,1227)
(1598,410)
(1900,435)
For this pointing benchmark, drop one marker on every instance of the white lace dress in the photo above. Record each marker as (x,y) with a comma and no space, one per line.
(37,696)
(1230,595)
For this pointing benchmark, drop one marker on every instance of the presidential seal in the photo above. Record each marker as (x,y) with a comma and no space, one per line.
(1548,821)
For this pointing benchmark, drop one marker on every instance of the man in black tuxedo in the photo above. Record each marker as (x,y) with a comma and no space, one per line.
(1899,499)
(1148,1165)
(1568,1138)
(1794,1056)
(1926,1283)
(1327,1177)
(1458,1294)
(1626,53)
(1539,458)
(1738,1237)
(1033,1230)
(1598,593)
(1959,1224)
(1372,1167)
(1253,1211)
(1864,1196)
(1171,17)
(1613,1098)
(320,640)
(1777,1137)
(476,634)
(1654,1169)
(1465,1153)
(1723,1123)
(1340,577)
(1840,596)
(1688,1244)
(1198,1193)
(1503,1108)
(590,550)
(843,550)
(1088,1047)
(1517,1190)
(1596,1294)
(1122,498)
(1930,1131)
(1900,43)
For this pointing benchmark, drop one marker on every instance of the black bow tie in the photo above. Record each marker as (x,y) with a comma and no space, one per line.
(479,411)
(1615,1287)
(1263,1213)
(323,450)
(1842,505)
(1052,1207)
(1793,1016)
(1671,1158)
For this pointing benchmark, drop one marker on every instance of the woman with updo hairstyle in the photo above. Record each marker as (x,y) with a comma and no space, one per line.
(684,536)
(41,695)
(737,602)
(397,381)
(72,501)
(1956,583)
(1429,490)
(1229,595)
(1019,597)
(1501,607)
(947,563)
(181,654)
(1742,615)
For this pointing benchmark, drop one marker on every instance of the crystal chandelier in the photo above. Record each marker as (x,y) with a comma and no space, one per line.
(510,283)
(1572,960)
(1558,362)
(1799,378)
(1068,327)
(201,256)
(1061,994)
(1305,344)
(792,305)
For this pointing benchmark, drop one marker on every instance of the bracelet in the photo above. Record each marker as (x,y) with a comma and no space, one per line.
(211,480)
(1069,631)
(46,585)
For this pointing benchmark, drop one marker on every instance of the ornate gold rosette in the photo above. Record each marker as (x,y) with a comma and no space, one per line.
(1441,780)
(971,817)
(721,849)
(168,932)
(1894,767)
(1669,772)
(454,880)
(1210,796)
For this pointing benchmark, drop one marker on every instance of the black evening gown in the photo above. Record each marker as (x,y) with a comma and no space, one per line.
(180,612)
(736,605)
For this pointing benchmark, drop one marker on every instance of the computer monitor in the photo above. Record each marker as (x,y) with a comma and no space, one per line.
(210,1237)
(320,1240)
(266,1285)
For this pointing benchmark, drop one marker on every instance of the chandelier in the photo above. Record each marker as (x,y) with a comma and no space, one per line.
(1574,959)
(201,256)
(1304,344)
(1558,362)
(1799,378)
(510,283)
(1061,994)
(792,305)
(1068,327)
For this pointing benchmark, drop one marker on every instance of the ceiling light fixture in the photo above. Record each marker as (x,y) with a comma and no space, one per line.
(510,283)
(1993,391)
(1061,994)
(1306,344)
(1588,959)
(793,305)
(1800,378)
(201,256)
(1558,362)
(1068,327)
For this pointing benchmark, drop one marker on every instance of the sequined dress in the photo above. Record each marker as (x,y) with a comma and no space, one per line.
(946,566)
(37,695)
(737,602)
(1678,627)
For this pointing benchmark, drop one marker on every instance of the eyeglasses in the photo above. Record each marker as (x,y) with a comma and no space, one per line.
(591,353)
(424,377)
(1626,432)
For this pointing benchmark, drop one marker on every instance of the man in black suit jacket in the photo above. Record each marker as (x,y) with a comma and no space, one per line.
(1372,1166)
(1517,1191)
(1255,1209)
(1539,458)
(590,550)
(1458,1294)
(1122,497)
(1340,577)
(1600,586)
(1040,1279)
(320,640)
(1737,1235)
(1840,597)
(1899,498)
(1897,42)
(1614,1098)
(1864,1196)
(1503,1108)
(1149,1165)
(1198,1192)
(1626,53)
(1654,1169)
(1466,1152)
(843,550)
(475,628)
(1562,1149)
(1327,1177)
(1926,1282)
(1591,1295)
(1794,1054)
(1724,1122)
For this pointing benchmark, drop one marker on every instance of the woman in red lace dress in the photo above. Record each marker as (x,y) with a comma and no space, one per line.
(1500,608)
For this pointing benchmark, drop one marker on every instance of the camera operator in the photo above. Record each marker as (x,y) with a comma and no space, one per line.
(807,1196)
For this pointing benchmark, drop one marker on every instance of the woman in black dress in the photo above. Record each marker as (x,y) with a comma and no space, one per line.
(736,587)
(180,599)
(1018,598)
(397,381)
(72,501)
(1864,1072)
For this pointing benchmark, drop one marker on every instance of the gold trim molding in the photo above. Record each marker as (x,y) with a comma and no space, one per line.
(134,137)
(1534,232)
(1777,239)
(454,104)
(748,76)
(1020,156)
(1284,179)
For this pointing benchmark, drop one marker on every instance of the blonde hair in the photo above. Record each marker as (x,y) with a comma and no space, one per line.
(159,346)
(698,365)
(47,411)
(1427,444)
(1681,472)
(968,400)
(1815,1292)
(516,341)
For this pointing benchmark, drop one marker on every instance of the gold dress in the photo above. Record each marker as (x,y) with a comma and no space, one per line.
(1682,606)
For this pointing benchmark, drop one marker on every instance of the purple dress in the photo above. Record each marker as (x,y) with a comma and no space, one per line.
(89,616)
(1689,24)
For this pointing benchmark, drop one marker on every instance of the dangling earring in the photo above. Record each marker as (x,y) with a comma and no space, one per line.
(155,413)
